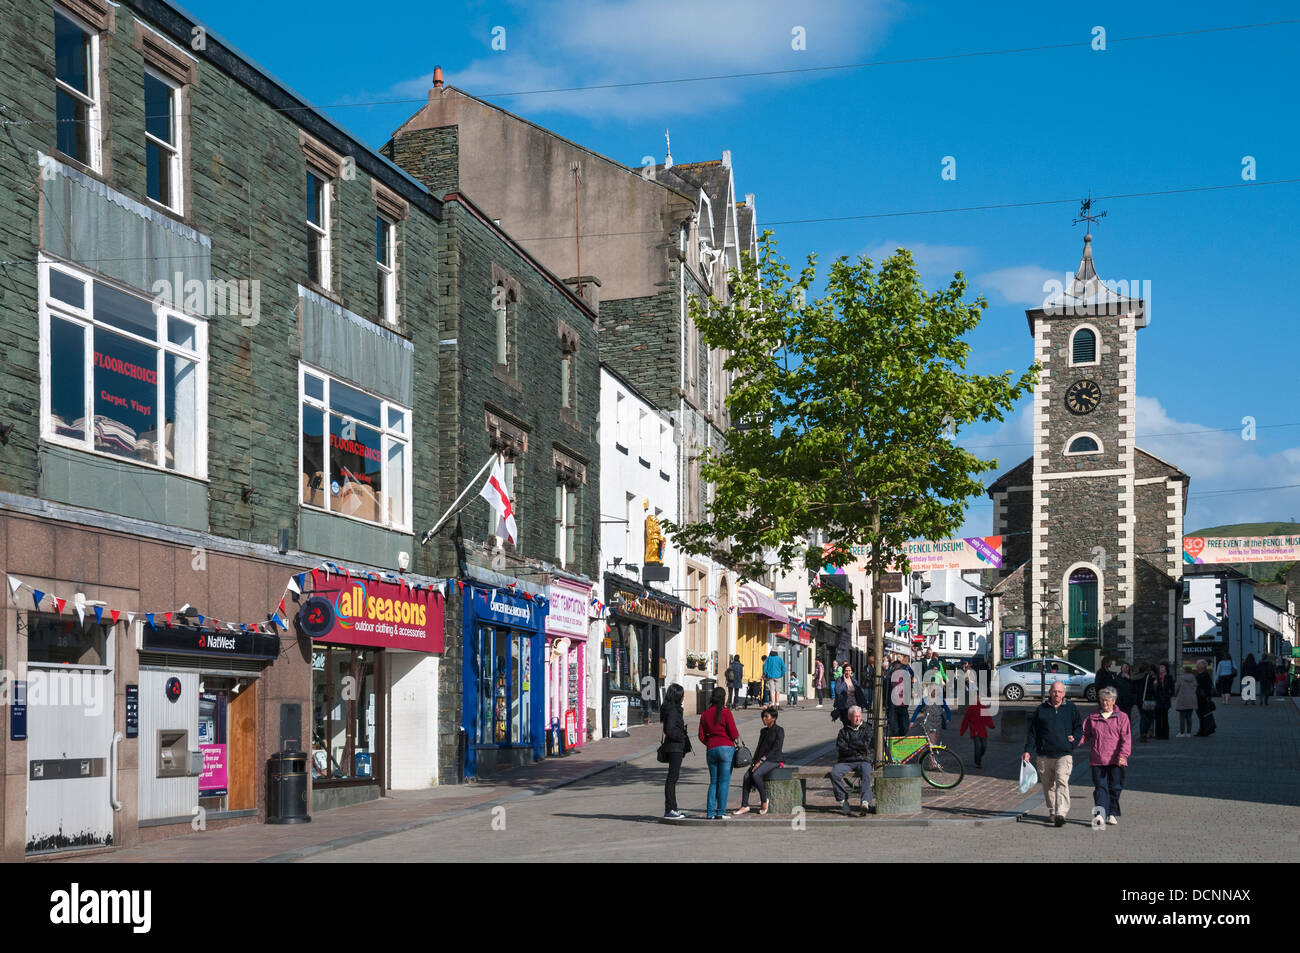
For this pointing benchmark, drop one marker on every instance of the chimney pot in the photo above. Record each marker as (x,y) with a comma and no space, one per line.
(437,77)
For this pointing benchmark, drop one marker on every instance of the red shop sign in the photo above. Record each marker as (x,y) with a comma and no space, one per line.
(383,614)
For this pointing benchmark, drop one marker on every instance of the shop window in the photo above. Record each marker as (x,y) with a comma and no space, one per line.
(122,375)
(162,147)
(76,84)
(345,744)
(55,640)
(356,452)
(386,269)
(504,674)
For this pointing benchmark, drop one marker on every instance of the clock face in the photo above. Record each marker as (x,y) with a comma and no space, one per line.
(1082,397)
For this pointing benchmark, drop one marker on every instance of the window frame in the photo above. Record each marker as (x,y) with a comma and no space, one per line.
(387,270)
(1096,346)
(321,233)
(566,524)
(1084,434)
(95,111)
(84,318)
(971,610)
(388,435)
(176,157)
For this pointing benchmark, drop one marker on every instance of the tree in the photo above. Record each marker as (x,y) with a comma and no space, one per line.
(844,411)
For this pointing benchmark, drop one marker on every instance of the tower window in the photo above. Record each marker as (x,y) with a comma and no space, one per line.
(1083,347)
(1083,443)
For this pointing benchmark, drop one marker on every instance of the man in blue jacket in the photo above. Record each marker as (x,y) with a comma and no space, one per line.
(774,673)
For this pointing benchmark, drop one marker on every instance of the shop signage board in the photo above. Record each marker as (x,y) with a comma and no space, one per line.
(1200,550)
(567,610)
(384,615)
(498,605)
(815,612)
(618,715)
(787,598)
(196,640)
(647,608)
(891,582)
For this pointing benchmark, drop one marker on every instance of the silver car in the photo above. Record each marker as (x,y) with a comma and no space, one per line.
(1018,679)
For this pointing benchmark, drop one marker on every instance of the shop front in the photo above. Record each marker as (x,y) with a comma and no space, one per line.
(368,636)
(195,711)
(567,603)
(763,622)
(640,625)
(503,673)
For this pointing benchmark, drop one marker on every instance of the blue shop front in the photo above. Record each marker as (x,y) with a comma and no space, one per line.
(504,701)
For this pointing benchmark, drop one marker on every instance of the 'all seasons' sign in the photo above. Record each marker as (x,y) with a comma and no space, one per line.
(380,614)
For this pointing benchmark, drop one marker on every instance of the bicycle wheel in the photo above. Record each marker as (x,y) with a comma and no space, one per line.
(941,768)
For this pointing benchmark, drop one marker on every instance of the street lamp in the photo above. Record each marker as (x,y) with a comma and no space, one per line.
(1042,665)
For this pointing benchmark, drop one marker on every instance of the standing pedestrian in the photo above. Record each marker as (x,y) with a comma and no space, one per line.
(1224,673)
(1148,700)
(1267,677)
(1249,669)
(1204,700)
(1054,729)
(1110,738)
(734,673)
(819,681)
(1164,698)
(773,674)
(1185,703)
(719,734)
(1124,688)
(869,681)
(762,679)
(978,723)
(767,758)
(676,744)
(898,695)
(853,752)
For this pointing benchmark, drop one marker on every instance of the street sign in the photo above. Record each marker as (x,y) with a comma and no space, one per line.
(891,582)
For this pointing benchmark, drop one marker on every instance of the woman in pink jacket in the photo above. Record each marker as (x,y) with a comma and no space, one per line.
(1111,738)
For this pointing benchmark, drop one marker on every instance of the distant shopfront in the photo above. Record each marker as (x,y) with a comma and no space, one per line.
(567,604)
(641,623)
(367,636)
(503,676)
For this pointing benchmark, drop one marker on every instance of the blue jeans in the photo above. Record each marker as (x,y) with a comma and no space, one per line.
(719,760)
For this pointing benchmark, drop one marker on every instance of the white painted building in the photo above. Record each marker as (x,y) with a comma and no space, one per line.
(1219,615)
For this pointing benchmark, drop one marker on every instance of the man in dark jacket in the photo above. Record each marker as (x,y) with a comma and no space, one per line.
(898,698)
(1267,677)
(1054,730)
(853,750)
(736,678)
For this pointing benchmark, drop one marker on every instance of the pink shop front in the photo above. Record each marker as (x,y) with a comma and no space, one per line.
(566,650)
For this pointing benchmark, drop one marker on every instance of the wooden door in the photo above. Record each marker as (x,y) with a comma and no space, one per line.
(242,732)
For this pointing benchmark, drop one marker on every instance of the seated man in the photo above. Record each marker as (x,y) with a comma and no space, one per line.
(853,747)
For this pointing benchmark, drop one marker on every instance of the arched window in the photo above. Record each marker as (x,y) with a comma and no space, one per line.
(1083,443)
(1083,347)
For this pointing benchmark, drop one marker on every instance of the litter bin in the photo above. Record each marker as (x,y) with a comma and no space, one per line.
(286,778)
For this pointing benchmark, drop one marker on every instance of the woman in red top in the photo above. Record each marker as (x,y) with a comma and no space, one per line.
(719,734)
(978,723)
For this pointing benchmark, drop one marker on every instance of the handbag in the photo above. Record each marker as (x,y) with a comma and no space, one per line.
(742,757)
(662,753)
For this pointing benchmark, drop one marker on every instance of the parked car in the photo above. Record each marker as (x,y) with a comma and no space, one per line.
(1018,679)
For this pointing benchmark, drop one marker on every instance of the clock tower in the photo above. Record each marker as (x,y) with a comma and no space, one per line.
(1094,523)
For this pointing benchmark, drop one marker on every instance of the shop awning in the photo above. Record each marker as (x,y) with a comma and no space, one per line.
(760,600)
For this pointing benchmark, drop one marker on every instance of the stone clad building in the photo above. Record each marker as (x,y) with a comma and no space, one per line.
(1092,523)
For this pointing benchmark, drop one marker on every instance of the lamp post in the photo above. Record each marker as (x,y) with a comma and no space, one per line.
(1042,665)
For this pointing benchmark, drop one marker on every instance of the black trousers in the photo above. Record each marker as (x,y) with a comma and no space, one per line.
(981,745)
(1162,723)
(754,778)
(670,784)
(897,721)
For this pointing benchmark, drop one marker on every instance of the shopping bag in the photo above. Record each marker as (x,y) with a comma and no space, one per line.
(1028,777)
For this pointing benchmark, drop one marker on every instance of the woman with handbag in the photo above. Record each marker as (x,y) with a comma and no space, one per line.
(719,734)
(767,758)
(1148,699)
(675,746)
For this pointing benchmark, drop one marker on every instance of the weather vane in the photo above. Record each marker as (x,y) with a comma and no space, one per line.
(1086,213)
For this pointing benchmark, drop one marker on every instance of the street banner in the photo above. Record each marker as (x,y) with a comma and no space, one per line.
(1201,550)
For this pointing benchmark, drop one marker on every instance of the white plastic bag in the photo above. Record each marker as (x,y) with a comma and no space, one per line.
(1028,777)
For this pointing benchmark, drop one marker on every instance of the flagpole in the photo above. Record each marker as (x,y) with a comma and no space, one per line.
(456,506)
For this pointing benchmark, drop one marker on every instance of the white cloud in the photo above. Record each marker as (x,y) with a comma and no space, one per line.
(931,260)
(1021,284)
(561,44)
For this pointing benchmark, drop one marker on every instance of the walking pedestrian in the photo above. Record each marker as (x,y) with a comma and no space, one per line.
(850,693)
(819,681)
(1124,688)
(1054,729)
(1110,738)
(1224,673)
(773,674)
(1164,698)
(1249,669)
(767,758)
(735,680)
(1185,703)
(1105,677)
(1267,677)
(1148,700)
(676,744)
(853,752)
(978,723)
(1204,700)
(719,734)
(762,680)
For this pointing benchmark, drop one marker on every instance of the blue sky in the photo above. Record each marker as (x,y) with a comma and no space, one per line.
(1141,116)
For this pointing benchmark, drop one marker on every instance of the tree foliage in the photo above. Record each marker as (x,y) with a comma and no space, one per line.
(844,409)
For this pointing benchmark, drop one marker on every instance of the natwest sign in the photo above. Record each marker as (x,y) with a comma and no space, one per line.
(385,615)
(567,605)
(195,640)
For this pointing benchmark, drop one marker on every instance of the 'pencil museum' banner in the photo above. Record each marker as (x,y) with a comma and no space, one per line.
(1199,550)
(972,552)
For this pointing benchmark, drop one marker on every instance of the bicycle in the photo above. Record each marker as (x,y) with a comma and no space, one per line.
(940,765)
